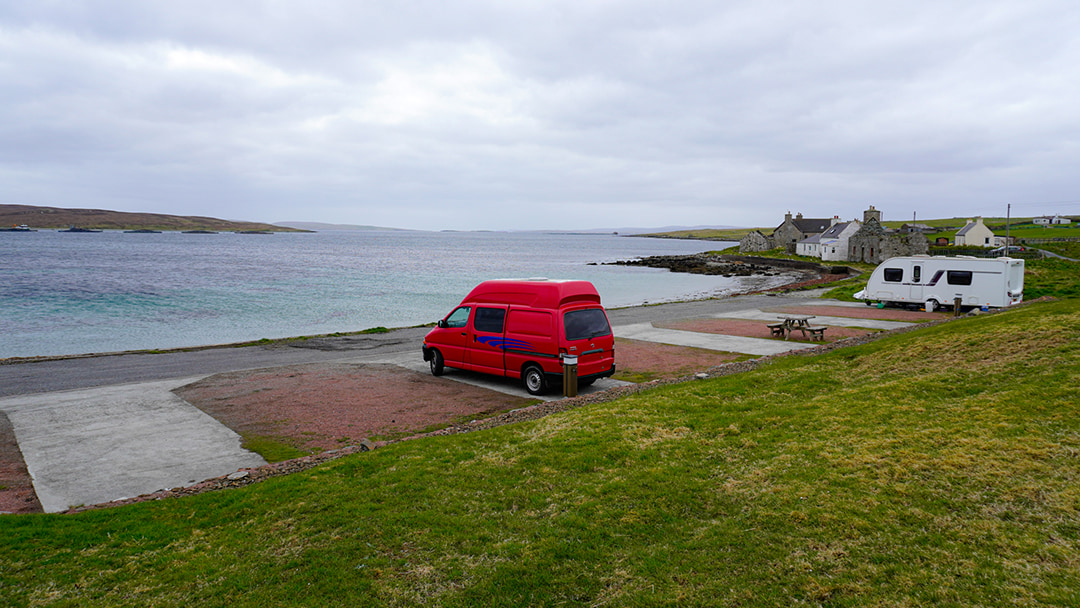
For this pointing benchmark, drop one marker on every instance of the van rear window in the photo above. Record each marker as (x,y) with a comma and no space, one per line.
(585,324)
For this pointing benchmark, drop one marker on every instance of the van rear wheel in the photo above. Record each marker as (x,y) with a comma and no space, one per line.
(436,363)
(533,380)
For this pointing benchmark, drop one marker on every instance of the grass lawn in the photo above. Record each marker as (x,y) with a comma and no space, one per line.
(936,467)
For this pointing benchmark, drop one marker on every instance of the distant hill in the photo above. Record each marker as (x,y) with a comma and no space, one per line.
(100,219)
(325,226)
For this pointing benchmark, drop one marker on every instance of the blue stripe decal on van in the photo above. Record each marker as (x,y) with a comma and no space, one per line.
(505,343)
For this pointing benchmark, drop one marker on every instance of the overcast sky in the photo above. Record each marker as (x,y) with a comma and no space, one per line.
(554,114)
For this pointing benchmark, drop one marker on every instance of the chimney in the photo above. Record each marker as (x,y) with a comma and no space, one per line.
(798,216)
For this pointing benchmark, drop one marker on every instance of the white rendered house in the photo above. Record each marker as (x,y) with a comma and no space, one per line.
(834,241)
(976,234)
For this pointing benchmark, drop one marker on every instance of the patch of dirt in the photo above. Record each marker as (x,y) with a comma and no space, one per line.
(753,329)
(865,312)
(16,488)
(649,360)
(324,406)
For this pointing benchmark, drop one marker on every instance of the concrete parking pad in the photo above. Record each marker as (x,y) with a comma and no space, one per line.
(97,445)
(507,386)
(731,344)
(772,317)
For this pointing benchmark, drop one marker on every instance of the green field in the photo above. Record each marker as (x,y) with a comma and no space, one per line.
(935,467)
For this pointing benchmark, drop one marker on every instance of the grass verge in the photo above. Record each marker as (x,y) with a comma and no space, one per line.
(935,467)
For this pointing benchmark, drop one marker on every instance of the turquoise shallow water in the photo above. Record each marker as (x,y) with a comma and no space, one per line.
(102,292)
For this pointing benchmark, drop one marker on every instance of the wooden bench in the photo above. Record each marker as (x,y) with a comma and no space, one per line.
(778,329)
(816,333)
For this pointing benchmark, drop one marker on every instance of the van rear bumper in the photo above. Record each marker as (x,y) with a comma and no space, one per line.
(555,378)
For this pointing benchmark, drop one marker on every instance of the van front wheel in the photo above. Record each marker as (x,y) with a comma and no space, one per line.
(533,380)
(436,363)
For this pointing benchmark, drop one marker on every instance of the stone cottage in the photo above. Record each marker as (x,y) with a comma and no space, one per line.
(793,230)
(755,240)
(873,243)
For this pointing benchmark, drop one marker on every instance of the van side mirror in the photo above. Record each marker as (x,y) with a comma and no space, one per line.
(442,324)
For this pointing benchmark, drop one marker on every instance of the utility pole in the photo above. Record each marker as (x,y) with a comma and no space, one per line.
(1008,211)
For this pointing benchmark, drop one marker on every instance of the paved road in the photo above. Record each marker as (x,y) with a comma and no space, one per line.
(105,370)
(67,374)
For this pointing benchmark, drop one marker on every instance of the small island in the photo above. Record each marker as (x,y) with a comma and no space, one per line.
(25,218)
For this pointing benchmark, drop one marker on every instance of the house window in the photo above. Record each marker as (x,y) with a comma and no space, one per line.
(894,275)
(986,241)
(958,277)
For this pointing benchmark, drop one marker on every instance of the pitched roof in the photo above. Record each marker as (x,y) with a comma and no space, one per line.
(967,228)
(812,225)
(835,230)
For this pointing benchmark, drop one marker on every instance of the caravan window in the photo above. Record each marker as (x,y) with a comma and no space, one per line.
(916,274)
(894,275)
(959,277)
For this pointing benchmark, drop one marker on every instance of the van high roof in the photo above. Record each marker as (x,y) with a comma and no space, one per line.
(537,293)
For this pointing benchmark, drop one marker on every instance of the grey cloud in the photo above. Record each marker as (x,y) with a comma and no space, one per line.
(625,112)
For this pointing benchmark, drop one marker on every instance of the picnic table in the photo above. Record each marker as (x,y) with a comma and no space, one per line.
(792,323)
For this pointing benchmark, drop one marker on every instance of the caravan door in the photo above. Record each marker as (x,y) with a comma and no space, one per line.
(916,286)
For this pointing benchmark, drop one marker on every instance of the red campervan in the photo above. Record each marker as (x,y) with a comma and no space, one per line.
(522,329)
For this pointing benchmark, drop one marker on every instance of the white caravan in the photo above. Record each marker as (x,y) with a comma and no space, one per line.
(938,280)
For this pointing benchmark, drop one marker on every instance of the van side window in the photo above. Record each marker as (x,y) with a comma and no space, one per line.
(489,320)
(459,317)
(584,324)
(533,323)
(916,274)
(894,275)
(958,277)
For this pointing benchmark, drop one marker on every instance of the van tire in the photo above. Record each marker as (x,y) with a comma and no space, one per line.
(931,305)
(436,363)
(533,380)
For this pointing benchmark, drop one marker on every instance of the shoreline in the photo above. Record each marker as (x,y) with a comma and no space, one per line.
(702,263)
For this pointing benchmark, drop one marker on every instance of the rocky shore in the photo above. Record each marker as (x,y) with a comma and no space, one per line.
(700,264)
(731,265)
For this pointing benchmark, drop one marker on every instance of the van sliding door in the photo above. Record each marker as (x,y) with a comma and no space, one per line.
(485,343)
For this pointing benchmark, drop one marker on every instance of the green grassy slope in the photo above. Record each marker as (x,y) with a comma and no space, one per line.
(936,467)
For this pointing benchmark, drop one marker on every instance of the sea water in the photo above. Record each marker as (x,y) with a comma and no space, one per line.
(73,293)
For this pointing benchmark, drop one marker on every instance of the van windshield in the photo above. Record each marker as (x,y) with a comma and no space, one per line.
(585,324)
